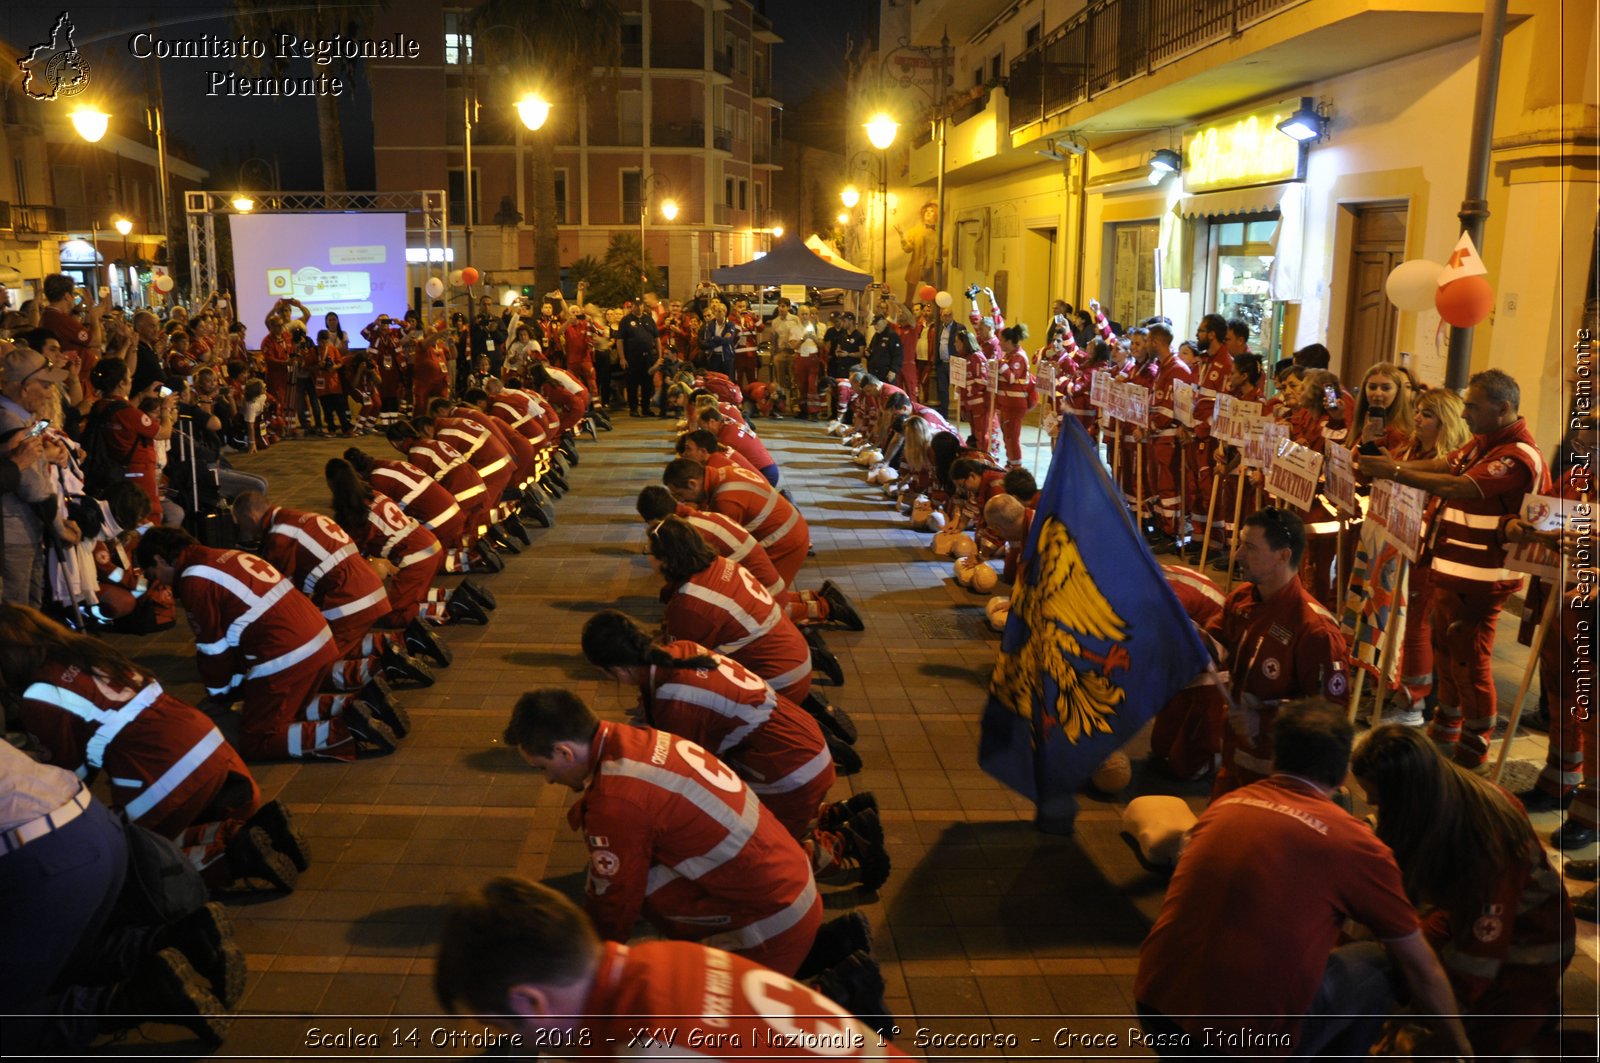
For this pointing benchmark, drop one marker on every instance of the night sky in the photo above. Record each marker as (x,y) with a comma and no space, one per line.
(219,131)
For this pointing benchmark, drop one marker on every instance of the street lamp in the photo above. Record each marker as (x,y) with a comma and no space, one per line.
(850,197)
(91,123)
(123,226)
(880,132)
(534,110)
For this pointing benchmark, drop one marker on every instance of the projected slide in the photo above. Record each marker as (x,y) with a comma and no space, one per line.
(351,264)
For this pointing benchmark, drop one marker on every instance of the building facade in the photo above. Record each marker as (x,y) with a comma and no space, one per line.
(1054,118)
(689,116)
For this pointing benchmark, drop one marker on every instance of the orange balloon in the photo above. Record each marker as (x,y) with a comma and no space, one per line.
(927,292)
(1466,301)
(469,276)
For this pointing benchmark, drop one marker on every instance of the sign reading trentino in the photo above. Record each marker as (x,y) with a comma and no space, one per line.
(1242,150)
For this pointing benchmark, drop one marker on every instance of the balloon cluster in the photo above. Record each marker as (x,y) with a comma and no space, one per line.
(1463,296)
(464,277)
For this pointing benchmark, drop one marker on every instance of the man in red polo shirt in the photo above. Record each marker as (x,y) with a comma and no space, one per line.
(78,337)
(1480,484)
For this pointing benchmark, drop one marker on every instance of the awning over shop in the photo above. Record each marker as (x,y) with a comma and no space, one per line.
(1260,200)
(1287,199)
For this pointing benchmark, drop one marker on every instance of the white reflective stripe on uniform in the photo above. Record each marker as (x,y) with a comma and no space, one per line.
(750,716)
(799,777)
(783,529)
(1453,515)
(736,487)
(444,516)
(67,700)
(754,628)
(793,675)
(1446,567)
(739,549)
(174,776)
(472,441)
(763,930)
(108,730)
(259,604)
(412,486)
(494,466)
(514,417)
(292,658)
(233,684)
(740,825)
(329,563)
(126,784)
(420,555)
(358,606)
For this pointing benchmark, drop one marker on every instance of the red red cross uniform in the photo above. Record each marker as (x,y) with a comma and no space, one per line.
(1471,582)
(166,761)
(521,454)
(1072,396)
(275,351)
(807,371)
(1285,647)
(569,398)
(131,436)
(1573,759)
(774,745)
(483,452)
(723,388)
(326,565)
(428,376)
(1012,402)
(1144,376)
(676,836)
(939,421)
(731,541)
(260,641)
(992,484)
(1211,373)
(386,360)
(450,468)
(977,402)
(703,996)
(738,437)
(756,506)
(746,366)
(723,607)
(1161,452)
(422,498)
(1186,739)
(414,552)
(517,409)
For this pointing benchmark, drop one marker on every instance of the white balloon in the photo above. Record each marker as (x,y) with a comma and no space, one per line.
(455,278)
(434,287)
(1412,285)
(943,300)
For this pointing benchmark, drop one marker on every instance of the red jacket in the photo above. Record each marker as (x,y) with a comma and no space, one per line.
(725,608)
(744,441)
(447,465)
(324,563)
(676,836)
(395,537)
(514,409)
(419,496)
(731,541)
(1464,543)
(758,507)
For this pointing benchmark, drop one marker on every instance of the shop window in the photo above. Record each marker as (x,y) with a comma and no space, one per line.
(1133,271)
(1242,251)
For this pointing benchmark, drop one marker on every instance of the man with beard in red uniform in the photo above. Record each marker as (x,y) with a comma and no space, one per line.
(674,835)
(1276,642)
(1480,485)
(526,959)
(1212,370)
(262,642)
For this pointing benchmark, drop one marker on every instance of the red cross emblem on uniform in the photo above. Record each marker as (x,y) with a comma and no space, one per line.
(795,1011)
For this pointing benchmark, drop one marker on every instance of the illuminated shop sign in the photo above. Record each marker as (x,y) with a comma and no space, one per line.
(1243,150)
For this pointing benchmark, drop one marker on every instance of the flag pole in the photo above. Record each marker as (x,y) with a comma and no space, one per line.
(1359,679)
(1233,544)
(1138,480)
(1211,513)
(1534,648)
(1183,490)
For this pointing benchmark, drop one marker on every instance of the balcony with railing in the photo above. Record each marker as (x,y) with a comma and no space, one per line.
(32,218)
(974,138)
(764,154)
(722,61)
(721,139)
(691,134)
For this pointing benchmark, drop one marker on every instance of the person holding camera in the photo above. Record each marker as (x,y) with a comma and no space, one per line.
(26,380)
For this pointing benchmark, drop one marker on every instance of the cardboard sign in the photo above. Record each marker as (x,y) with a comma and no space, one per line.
(958,374)
(1275,437)
(1294,473)
(1546,513)
(1253,443)
(1045,380)
(1100,389)
(1222,419)
(1136,405)
(1379,502)
(1403,522)
(1341,480)
(1183,396)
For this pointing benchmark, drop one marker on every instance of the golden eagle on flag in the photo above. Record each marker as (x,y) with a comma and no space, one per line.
(1096,642)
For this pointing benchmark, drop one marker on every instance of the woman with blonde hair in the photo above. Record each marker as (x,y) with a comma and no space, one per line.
(1383,411)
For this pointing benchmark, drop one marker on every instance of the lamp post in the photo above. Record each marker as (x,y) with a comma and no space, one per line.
(669,211)
(124,226)
(881,130)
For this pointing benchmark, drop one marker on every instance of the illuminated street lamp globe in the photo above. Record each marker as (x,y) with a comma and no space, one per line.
(850,197)
(123,226)
(669,209)
(843,218)
(777,232)
(881,130)
(91,123)
(534,110)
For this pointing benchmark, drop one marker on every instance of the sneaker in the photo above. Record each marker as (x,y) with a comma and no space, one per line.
(832,718)
(167,986)
(836,941)
(840,610)
(1401,712)
(251,855)
(478,592)
(377,696)
(205,939)
(422,640)
(856,985)
(835,814)
(846,761)
(400,667)
(865,835)
(463,608)
(275,818)
(371,733)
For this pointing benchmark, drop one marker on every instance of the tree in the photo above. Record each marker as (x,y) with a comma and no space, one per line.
(315,20)
(617,276)
(570,45)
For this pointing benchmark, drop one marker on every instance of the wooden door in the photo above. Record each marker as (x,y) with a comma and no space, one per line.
(1372,322)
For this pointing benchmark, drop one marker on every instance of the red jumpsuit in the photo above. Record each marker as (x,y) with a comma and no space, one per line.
(422,498)
(324,563)
(1471,582)
(483,452)
(260,640)
(723,607)
(758,507)
(579,349)
(569,398)
(522,454)
(1211,373)
(275,351)
(429,379)
(746,366)
(516,409)
(447,466)
(386,359)
(1276,650)
(739,438)
(1187,737)
(1143,375)
(696,995)
(725,389)
(977,404)
(1011,402)
(1161,452)
(730,540)
(411,548)
(807,371)
(166,761)
(676,836)
(130,438)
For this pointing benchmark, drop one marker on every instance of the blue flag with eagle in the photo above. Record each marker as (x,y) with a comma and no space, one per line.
(1096,642)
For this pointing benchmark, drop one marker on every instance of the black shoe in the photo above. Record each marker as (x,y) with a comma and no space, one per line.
(371,733)
(489,556)
(857,986)
(251,855)
(869,850)
(421,639)
(1583,906)
(569,448)
(478,592)
(551,484)
(1572,835)
(400,667)
(463,608)
(1537,800)
(840,611)
(1582,870)
(377,696)
(276,819)
(167,988)
(588,426)
(822,659)
(835,814)
(535,511)
(502,540)
(832,718)
(205,939)
(836,941)
(865,826)
(846,761)
(513,524)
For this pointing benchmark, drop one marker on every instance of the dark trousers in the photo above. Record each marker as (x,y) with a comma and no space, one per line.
(602,375)
(638,383)
(335,407)
(941,388)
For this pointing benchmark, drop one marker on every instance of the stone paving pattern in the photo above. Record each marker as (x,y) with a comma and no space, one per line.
(982,918)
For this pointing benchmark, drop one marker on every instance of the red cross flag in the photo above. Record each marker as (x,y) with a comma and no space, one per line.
(1463,262)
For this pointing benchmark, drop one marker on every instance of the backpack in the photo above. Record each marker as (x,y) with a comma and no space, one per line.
(103,469)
